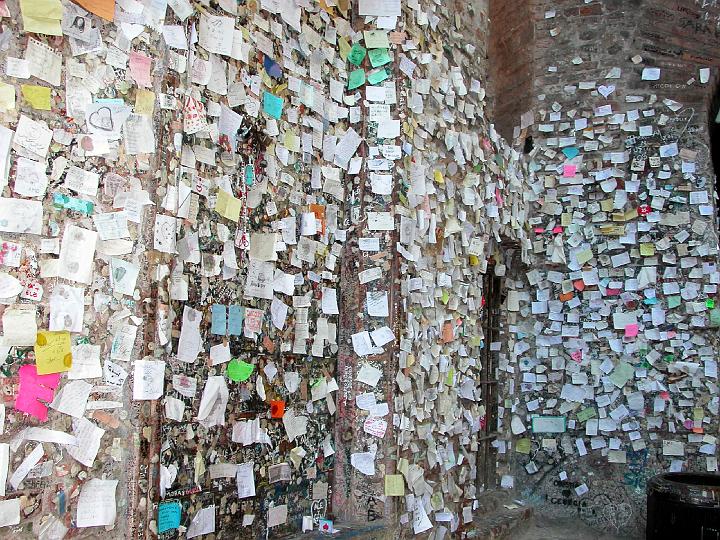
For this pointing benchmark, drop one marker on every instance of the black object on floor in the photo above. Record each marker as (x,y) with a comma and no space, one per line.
(683,506)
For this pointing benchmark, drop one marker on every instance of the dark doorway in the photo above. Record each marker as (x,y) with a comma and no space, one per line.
(714,132)
(487,453)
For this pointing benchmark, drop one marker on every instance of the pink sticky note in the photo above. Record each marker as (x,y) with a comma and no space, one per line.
(631,330)
(140,69)
(34,387)
(557,230)
(569,171)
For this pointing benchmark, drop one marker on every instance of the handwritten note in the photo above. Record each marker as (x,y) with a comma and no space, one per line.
(96,505)
(169,514)
(53,352)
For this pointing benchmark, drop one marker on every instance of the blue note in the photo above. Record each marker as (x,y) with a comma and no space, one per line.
(219,320)
(271,67)
(249,175)
(168,516)
(235,320)
(272,105)
(71,203)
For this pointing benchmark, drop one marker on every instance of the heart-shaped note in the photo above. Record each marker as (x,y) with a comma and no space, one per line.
(606,90)
(102,119)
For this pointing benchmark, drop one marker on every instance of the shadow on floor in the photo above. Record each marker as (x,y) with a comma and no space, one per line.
(545,529)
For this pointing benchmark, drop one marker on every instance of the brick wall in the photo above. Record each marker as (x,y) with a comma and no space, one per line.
(511,62)
(572,47)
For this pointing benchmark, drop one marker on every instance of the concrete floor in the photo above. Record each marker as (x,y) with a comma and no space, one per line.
(541,529)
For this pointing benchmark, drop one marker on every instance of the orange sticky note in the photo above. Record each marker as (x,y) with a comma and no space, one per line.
(277,409)
(52,352)
(102,8)
(319,211)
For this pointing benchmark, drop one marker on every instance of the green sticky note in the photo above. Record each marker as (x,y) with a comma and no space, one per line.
(239,371)
(436,500)
(272,105)
(357,54)
(379,57)
(445,296)
(378,76)
(586,414)
(549,424)
(376,39)
(673,301)
(356,79)
(622,373)
(709,303)
(450,378)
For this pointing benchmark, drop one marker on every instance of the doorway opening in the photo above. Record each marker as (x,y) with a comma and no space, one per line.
(487,452)
(714,132)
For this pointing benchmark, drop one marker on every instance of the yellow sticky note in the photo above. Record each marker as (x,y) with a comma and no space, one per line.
(647,250)
(292,141)
(228,206)
(403,466)
(37,96)
(42,16)
(7,96)
(523,446)
(344,48)
(394,485)
(584,256)
(144,102)
(438,177)
(52,352)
